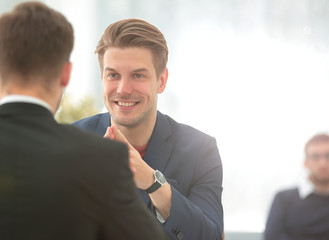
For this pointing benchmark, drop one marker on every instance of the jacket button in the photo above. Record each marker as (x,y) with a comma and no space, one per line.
(180,235)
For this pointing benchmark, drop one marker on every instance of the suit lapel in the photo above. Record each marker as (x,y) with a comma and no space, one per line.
(158,150)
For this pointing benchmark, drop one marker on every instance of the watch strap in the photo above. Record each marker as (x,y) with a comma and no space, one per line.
(155,186)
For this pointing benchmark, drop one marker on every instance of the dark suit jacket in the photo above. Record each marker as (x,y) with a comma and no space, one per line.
(57,182)
(190,161)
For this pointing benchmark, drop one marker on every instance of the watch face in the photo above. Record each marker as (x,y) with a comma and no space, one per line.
(159,176)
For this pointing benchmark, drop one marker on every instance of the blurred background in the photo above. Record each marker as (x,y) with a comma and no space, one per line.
(252,73)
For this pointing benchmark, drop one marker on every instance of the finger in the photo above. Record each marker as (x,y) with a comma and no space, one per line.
(131,155)
(109,134)
(132,168)
(119,135)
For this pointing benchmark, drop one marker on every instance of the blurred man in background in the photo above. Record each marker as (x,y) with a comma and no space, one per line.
(302,213)
(56,182)
(178,168)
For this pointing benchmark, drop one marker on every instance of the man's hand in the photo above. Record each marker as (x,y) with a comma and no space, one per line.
(143,173)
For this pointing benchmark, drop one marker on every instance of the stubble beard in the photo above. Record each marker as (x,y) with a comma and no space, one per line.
(323,182)
(141,118)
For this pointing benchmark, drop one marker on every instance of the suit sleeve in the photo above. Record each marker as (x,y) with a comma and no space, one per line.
(125,213)
(199,214)
(275,229)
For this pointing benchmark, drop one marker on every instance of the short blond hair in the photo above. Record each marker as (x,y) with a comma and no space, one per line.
(134,33)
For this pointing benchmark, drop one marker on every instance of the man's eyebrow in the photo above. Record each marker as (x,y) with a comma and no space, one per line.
(133,71)
(140,70)
(109,69)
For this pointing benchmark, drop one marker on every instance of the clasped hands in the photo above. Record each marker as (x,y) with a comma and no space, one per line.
(143,173)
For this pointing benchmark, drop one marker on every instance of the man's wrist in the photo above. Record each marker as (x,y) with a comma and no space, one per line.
(159,180)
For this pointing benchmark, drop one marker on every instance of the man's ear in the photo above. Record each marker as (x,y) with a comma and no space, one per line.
(163,81)
(66,74)
(305,163)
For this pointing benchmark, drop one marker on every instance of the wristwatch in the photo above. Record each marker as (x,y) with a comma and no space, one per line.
(158,182)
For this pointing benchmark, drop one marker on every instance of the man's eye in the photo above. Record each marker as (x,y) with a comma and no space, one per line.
(113,75)
(137,75)
(314,157)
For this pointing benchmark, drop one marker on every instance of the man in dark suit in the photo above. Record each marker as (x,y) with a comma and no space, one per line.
(178,168)
(56,182)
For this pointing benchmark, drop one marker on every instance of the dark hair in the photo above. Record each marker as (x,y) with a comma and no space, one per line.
(34,40)
(134,33)
(318,138)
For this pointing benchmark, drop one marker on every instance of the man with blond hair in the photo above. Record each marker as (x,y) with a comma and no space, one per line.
(178,168)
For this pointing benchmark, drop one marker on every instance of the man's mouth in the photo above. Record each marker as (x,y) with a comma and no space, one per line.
(126,104)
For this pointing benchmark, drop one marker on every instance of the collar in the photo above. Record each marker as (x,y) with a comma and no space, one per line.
(25,99)
(306,187)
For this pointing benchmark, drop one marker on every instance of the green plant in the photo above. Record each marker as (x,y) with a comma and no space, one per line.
(69,112)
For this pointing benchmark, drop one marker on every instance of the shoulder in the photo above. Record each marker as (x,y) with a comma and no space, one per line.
(96,124)
(184,132)
(179,128)
(287,195)
(190,145)
(288,192)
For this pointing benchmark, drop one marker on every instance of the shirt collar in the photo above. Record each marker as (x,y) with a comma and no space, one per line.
(25,99)
(306,187)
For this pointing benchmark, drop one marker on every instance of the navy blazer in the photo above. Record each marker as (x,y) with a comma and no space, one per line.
(191,163)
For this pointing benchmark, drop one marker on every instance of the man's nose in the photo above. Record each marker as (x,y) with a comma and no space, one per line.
(125,86)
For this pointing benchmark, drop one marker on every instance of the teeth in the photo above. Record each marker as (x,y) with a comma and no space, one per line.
(126,104)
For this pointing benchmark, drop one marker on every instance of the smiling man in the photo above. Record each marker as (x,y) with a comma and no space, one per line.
(303,213)
(177,168)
